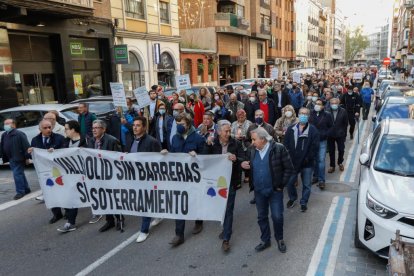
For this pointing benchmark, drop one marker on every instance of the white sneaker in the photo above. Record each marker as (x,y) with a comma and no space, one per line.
(40,198)
(67,228)
(142,236)
(95,219)
(156,221)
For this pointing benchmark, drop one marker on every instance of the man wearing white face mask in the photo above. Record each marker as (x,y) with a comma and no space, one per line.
(13,148)
(323,121)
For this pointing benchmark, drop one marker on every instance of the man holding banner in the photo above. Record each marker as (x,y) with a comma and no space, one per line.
(186,140)
(225,144)
(140,141)
(103,141)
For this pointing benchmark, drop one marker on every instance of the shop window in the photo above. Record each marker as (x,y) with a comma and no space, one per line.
(135,9)
(165,12)
(259,50)
(132,75)
(200,70)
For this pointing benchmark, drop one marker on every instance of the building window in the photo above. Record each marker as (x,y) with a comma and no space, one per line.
(200,70)
(135,9)
(165,12)
(259,50)
(132,74)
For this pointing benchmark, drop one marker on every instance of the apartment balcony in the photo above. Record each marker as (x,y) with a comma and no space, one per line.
(407,23)
(265,29)
(231,23)
(337,46)
(337,56)
(408,4)
(265,4)
(62,8)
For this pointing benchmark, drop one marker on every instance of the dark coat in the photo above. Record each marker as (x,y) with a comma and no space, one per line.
(305,150)
(340,124)
(285,98)
(249,107)
(351,103)
(235,148)
(88,120)
(323,122)
(269,129)
(272,110)
(56,141)
(280,165)
(146,144)
(109,142)
(19,146)
(167,125)
(82,143)
(193,142)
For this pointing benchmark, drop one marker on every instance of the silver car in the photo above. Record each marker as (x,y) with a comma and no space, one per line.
(386,187)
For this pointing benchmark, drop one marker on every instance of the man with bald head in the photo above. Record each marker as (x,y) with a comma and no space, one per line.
(13,148)
(52,118)
(178,108)
(234,105)
(48,140)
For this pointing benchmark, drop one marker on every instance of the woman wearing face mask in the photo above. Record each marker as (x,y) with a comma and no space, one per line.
(162,123)
(175,100)
(197,107)
(288,118)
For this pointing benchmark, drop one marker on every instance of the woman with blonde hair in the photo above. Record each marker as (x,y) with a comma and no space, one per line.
(205,98)
(196,106)
(288,118)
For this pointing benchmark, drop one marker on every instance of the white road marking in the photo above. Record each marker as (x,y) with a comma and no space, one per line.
(107,256)
(325,234)
(12,203)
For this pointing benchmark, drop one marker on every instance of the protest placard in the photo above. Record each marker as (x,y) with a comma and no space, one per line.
(142,96)
(182,82)
(118,94)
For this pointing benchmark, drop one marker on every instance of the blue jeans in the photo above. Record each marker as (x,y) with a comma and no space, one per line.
(306,175)
(319,169)
(275,201)
(145,225)
(20,181)
(228,219)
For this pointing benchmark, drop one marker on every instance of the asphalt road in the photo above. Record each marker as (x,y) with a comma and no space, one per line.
(29,245)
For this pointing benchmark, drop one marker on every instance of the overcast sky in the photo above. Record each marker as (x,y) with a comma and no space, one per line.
(370,13)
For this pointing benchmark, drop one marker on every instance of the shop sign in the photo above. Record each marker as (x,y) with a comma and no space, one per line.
(76,48)
(121,54)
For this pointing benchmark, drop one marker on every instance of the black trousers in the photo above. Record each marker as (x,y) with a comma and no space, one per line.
(111,218)
(57,212)
(180,226)
(340,142)
(351,122)
(71,215)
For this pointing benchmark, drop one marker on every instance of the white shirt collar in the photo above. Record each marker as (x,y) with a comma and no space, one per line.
(264,150)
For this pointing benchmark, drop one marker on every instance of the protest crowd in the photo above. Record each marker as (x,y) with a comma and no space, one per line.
(278,131)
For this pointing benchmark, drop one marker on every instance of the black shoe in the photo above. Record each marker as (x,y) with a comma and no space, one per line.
(177,240)
(291,203)
(107,226)
(282,246)
(303,208)
(314,180)
(120,224)
(321,185)
(55,219)
(221,236)
(262,246)
(253,201)
(225,246)
(27,191)
(18,196)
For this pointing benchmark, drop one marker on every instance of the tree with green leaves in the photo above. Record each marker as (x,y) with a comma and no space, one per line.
(355,43)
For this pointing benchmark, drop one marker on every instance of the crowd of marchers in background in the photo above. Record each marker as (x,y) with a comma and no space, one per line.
(273,133)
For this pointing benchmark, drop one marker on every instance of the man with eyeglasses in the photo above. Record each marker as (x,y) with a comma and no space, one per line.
(177,110)
(48,140)
(103,141)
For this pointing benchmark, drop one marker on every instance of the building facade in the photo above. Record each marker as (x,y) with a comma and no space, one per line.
(302,31)
(150,29)
(339,36)
(54,51)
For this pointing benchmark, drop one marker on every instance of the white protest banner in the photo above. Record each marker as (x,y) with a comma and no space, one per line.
(357,76)
(274,74)
(175,185)
(118,94)
(182,82)
(142,96)
(296,77)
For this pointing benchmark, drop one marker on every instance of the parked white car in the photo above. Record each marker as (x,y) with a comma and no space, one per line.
(28,117)
(386,187)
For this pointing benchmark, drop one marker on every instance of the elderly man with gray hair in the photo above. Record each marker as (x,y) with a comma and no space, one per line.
(271,168)
(103,141)
(225,144)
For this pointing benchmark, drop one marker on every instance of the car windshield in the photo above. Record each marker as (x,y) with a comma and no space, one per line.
(394,111)
(71,113)
(101,107)
(395,155)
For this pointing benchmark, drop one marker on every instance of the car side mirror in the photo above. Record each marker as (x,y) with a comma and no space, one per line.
(364,159)
(374,119)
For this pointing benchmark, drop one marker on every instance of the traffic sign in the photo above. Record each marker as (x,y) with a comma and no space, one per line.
(386,61)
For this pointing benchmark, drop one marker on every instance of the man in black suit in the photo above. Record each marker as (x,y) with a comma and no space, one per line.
(48,140)
(103,141)
(337,135)
(281,99)
(140,141)
(268,107)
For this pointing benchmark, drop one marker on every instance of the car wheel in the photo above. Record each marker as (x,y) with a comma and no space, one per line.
(357,242)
